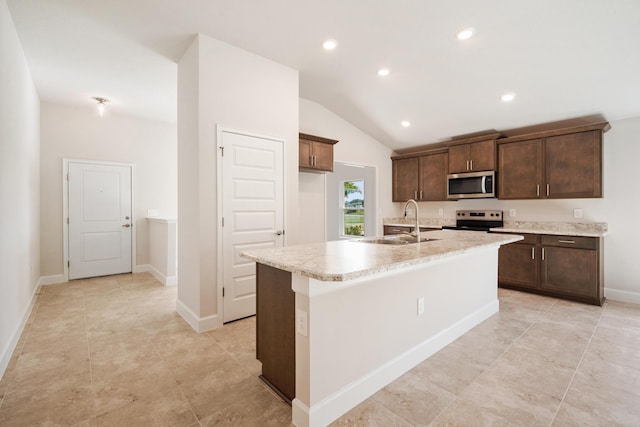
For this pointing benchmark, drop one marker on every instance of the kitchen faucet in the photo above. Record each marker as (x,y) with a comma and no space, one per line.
(416,232)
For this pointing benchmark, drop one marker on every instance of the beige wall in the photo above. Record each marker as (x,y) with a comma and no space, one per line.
(19,188)
(221,85)
(354,147)
(80,134)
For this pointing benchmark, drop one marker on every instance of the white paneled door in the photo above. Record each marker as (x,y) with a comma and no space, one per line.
(252,206)
(100,219)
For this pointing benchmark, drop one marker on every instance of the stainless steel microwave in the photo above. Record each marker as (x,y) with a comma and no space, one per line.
(472,185)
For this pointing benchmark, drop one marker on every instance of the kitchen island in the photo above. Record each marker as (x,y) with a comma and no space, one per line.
(362,314)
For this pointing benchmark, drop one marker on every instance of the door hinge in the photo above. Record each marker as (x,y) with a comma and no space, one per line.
(223,221)
(222,292)
(67,220)
(67,176)
(221,150)
(68,264)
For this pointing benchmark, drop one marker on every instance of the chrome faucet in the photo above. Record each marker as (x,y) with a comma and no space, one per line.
(416,232)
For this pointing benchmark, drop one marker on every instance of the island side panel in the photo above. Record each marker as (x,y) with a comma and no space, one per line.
(275,329)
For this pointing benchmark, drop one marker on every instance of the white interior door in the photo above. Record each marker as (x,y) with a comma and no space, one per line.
(100,220)
(252,206)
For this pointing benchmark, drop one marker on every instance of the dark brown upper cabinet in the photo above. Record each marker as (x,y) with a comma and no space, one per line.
(315,153)
(472,156)
(420,177)
(559,164)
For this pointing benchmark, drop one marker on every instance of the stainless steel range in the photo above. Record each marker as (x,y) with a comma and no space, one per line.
(480,220)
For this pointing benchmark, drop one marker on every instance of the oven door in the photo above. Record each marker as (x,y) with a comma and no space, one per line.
(473,185)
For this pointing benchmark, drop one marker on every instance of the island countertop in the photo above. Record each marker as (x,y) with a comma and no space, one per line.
(343,260)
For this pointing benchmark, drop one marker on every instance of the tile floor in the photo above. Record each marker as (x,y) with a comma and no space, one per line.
(112,352)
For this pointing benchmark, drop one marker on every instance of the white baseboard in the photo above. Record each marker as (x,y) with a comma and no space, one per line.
(620,295)
(51,280)
(199,324)
(335,405)
(167,281)
(7,352)
(141,268)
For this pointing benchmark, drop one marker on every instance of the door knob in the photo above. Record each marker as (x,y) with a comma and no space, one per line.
(127,225)
(279,232)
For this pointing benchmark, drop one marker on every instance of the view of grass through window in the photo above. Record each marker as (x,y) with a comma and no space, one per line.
(353,208)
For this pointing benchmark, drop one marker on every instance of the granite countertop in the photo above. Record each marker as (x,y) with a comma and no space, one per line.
(583,229)
(348,259)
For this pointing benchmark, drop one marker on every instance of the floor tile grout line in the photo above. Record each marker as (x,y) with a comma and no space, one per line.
(575,371)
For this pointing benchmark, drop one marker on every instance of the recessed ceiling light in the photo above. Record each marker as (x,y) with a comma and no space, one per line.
(382,72)
(465,34)
(405,123)
(508,97)
(330,44)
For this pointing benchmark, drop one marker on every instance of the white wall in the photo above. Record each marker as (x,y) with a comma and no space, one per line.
(19,188)
(354,147)
(79,133)
(618,208)
(221,85)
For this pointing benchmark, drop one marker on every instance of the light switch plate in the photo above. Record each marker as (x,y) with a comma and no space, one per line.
(512,213)
(577,213)
(441,212)
(301,322)
(420,306)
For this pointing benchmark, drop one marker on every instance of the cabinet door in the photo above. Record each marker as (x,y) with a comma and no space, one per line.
(459,158)
(482,156)
(323,156)
(520,170)
(570,271)
(574,165)
(517,265)
(405,178)
(305,150)
(433,177)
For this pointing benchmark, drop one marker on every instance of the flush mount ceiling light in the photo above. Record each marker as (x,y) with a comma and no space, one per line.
(405,123)
(101,105)
(329,44)
(383,72)
(467,33)
(508,97)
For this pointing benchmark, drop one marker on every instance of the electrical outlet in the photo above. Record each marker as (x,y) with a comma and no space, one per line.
(420,306)
(440,211)
(577,213)
(301,322)
(512,213)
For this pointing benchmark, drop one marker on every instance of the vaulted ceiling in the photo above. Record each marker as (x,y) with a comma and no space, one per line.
(561,59)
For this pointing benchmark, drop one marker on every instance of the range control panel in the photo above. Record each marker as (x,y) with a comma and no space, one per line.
(479,215)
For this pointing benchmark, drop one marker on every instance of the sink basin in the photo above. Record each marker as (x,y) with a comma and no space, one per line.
(394,240)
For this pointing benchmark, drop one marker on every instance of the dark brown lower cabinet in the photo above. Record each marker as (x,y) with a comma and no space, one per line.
(275,329)
(561,266)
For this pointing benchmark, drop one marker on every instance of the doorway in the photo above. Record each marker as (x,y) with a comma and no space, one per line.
(99,220)
(251,177)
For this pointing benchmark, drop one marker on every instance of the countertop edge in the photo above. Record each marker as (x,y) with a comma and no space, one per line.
(576,233)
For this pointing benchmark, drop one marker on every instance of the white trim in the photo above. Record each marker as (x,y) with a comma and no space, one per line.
(338,403)
(7,352)
(51,280)
(620,295)
(167,281)
(220,208)
(199,324)
(142,268)
(65,210)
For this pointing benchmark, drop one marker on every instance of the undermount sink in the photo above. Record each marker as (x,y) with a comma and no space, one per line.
(394,239)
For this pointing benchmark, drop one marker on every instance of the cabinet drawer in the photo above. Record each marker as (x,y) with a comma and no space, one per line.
(529,239)
(570,241)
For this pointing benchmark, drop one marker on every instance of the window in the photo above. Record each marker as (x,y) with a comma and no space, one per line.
(353,207)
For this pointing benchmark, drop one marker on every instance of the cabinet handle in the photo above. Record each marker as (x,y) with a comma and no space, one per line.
(415,194)
(533,253)
(420,194)
(547,189)
(467,165)
(471,163)
(571,242)
(542,254)
(538,190)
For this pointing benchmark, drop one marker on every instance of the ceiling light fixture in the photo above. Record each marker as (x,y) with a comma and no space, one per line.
(101,105)
(508,97)
(465,34)
(405,123)
(330,44)
(383,72)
